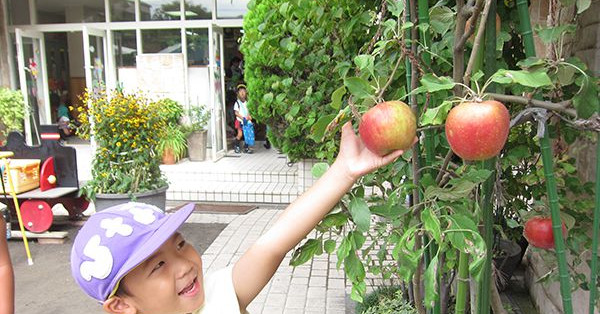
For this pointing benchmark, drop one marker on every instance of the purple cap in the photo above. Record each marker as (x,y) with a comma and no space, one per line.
(114,241)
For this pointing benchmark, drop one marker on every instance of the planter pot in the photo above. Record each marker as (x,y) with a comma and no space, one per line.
(197,145)
(156,197)
(508,262)
(168,157)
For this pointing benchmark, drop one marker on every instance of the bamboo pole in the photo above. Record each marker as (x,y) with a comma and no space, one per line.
(484,296)
(596,235)
(462,289)
(546,151)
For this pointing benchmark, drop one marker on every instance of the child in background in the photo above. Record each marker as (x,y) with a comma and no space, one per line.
(132,259)
(7,286)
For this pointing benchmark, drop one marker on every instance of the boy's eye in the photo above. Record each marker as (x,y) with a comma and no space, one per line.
(159,265)
(181,244)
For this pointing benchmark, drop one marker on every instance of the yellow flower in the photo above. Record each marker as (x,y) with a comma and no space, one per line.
(118,144)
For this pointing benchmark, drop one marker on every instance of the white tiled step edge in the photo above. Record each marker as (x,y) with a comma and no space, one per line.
(237,177)
(268,192)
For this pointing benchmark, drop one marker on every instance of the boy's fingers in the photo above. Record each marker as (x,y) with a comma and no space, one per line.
(392,156)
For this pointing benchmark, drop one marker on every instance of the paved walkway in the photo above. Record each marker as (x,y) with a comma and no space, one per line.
(316,287)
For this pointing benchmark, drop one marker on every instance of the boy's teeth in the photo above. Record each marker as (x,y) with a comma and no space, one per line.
(188,288)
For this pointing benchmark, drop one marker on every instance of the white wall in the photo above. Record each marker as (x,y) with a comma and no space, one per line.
(198,84)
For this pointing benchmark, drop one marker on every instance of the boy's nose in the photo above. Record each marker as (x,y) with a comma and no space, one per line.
(184,267)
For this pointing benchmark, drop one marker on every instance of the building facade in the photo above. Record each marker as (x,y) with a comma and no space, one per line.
(53,50)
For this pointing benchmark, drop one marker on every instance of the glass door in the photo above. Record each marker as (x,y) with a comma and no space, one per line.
(33,79)
(95,56)
(217,90)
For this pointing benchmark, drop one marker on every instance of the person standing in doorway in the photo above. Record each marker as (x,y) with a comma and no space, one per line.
(242,116)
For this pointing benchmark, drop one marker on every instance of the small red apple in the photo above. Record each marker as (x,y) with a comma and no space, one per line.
(478,130)
(387,127)
(538,232)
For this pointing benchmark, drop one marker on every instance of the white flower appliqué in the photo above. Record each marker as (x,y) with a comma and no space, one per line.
(143,215)
(114,226)
(102,261)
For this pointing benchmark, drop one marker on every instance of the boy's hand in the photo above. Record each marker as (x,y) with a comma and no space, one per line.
(356,158)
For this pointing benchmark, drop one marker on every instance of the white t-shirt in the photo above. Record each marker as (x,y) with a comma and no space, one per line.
(242,108)
(219,293)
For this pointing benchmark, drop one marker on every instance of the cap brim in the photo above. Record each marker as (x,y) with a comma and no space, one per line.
(169,225)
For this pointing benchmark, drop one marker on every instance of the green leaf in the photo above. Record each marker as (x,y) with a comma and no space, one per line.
(437,115)
(441,19)
(388,211)
(359,289)
(365,62)
(294,110)
(334,220)
(343,250)
(407,25)
(287,82)
(267,98)
(319,169)
(432,224)
(431,284)
(358,87)
(511,223)
(566,75)
(359,209)
(283,8)
(304,253)
(396,7)
(329,246)
(586,101)
(336,98)
(552,34)
(318,129)
(526,78)
(358,239)
(433,83)
(583,5)
(531,62)
(354,268)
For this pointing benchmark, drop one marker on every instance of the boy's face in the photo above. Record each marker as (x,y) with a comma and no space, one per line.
(169,281)
(242,94)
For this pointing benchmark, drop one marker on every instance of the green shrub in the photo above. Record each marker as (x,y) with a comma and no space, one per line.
(296,53)
(12,111)
(385,300)
(171,110)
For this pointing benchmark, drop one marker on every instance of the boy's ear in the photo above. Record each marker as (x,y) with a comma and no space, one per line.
(118,305)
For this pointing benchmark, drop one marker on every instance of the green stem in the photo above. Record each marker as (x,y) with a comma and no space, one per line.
(423,13)
(594,265)
(463,283)
(546,150)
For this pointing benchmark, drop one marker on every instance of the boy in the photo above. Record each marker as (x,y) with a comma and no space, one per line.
(240,108)
(131,258)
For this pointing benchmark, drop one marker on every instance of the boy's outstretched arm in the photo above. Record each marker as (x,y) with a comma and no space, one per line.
(7,287)
(256,267)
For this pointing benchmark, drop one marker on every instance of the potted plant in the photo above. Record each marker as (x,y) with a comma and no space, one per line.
(12,112)
(195,127)
(126,129)
(172,144)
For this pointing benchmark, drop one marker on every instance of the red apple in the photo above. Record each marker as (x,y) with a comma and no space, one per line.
(538,232)
(387,127)
(477,130)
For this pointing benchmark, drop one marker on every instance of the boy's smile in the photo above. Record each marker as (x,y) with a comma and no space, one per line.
(169,281)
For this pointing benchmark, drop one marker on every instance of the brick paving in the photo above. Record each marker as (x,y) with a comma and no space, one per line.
(315,287)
